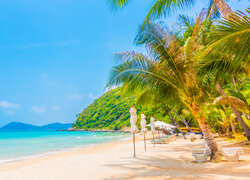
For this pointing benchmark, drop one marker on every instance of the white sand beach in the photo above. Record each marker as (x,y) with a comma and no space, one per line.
(115,161)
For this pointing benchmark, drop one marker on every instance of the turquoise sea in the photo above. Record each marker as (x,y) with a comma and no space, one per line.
(17,145)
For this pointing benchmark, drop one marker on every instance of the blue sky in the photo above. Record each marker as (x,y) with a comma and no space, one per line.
(56,55)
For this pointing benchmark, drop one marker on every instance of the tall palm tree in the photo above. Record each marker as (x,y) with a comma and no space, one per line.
(164,7)
(168,69)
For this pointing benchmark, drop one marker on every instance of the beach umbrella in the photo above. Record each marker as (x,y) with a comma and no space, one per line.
(163,125)
(133,119)
(143,128)
(152,124)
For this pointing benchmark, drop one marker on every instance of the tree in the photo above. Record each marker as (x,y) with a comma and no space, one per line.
(170,69)
(228,54)
(164,7)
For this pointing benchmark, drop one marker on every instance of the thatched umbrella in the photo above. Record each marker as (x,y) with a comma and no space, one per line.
(133,119)
(143,128)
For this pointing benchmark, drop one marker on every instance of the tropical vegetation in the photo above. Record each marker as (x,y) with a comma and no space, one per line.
(199,69)
(111,112)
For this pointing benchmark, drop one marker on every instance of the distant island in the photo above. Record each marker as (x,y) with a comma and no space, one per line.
(18,126)
(111,112)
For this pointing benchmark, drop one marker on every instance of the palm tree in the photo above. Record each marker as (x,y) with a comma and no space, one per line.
(164,7)
(228,54)
(169,69)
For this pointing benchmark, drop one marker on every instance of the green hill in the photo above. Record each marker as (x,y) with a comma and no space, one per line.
(110,112)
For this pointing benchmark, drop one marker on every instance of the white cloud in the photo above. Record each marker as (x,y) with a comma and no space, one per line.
(38,109)
(74,96)
(55,108)
(6,104)
(92,96)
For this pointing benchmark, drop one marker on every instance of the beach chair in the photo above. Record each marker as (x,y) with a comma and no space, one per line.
(163,140)
(202,154)
(232,154)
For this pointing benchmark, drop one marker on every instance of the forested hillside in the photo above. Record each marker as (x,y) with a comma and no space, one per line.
(111,112)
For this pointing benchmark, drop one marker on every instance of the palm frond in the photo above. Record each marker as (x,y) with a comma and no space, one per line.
(141,73)
(231,42)
(164,47)
(212,12)
(165,7)
(234,102)
(238,95)
(117,4)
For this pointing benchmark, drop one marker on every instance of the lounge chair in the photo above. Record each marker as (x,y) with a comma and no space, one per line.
(202,154)
(232,154)
(163,140)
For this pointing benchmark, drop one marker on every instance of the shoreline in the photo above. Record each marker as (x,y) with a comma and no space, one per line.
(48,153)
(94,130)
(114,160)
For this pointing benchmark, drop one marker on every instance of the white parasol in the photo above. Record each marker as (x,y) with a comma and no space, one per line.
(143,124)
(133,120)
(144,128)
(152,124)
(163,125)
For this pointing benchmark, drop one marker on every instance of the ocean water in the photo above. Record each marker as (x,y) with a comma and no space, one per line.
(17,145)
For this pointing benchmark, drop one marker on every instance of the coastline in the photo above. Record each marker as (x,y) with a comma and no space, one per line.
(114,160)
(95,130)
(70,149)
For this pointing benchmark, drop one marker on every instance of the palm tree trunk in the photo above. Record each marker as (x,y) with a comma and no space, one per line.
(233,127)
(175,123)
(237,113)
(209,137)
(223,7)
(184,121)
(228,135)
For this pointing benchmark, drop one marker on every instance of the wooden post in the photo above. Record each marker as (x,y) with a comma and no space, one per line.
(134,143)
(154,139)
(144,143)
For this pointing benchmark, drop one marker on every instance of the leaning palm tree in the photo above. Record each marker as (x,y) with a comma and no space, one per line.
(233,102)
(168,69)
(164,7)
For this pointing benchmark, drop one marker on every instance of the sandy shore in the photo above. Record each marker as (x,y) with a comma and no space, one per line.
(115,161)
